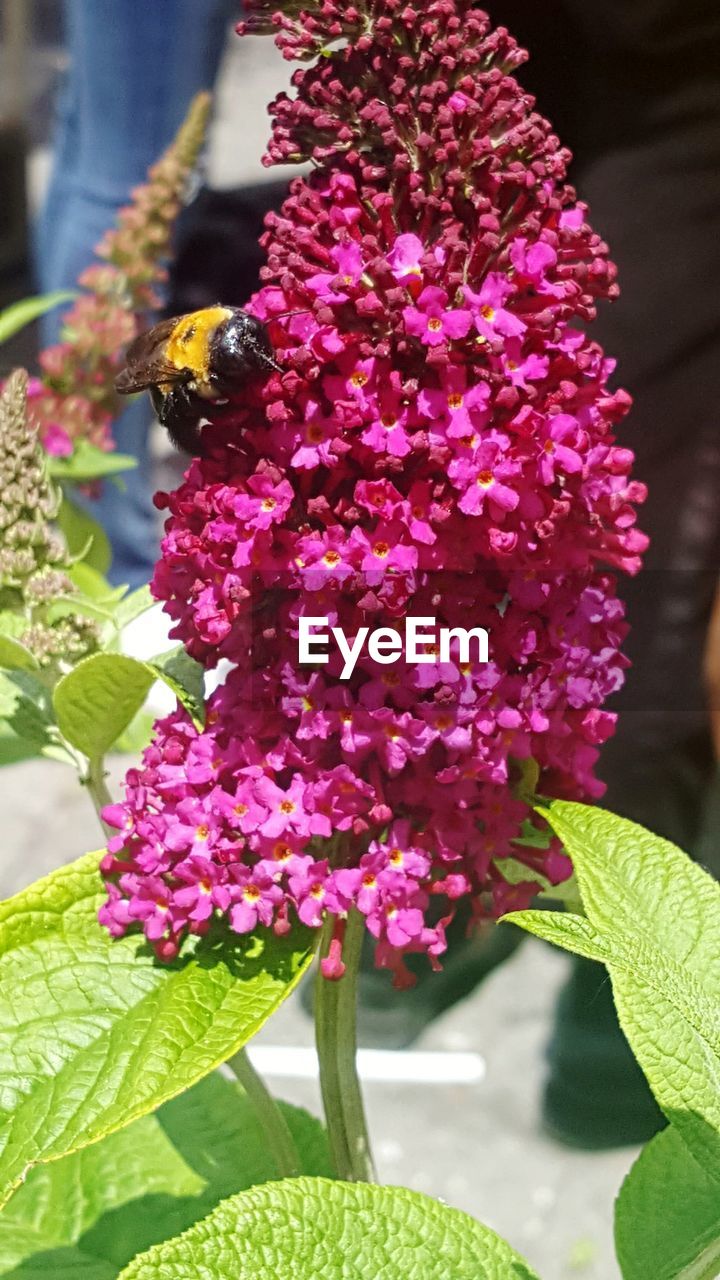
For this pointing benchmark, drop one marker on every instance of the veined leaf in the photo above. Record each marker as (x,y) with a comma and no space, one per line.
(667,1215)
(100,1207)
(96,701)
(95,1033)
(653,917)
(313,1229)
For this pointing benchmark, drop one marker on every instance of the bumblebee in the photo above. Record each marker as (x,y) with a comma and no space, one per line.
(190,361)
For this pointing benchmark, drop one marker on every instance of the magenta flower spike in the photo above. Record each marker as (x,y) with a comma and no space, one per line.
(439,444)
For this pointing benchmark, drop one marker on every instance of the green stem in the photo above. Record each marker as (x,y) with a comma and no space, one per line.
(94,780)
(273,1123)
(336,1038)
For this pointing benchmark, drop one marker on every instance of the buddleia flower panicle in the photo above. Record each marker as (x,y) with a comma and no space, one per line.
(74,398)
(440,443)
(33,560)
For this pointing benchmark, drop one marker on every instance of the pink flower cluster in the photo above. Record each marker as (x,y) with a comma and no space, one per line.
(440,443)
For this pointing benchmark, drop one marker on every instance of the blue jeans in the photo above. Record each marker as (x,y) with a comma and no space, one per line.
(134,67)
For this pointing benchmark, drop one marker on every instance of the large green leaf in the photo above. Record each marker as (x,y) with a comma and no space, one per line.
(667,1215)
(19,314)
(96,701)
(95,1033)
(653,917)
(313,1229)
(100,1207)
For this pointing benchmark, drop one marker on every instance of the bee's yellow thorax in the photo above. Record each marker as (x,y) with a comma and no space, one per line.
(188,346)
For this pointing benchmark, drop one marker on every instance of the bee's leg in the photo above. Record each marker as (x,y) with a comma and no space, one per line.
(178,412)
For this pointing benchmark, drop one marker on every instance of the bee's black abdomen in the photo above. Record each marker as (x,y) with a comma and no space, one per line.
(179,412)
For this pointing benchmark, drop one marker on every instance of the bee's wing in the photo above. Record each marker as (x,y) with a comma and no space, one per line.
(145,362)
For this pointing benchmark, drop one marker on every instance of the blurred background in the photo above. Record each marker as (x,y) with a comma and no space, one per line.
(635,88)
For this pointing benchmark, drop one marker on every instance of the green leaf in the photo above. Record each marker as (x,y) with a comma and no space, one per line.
(653,917)
(13,621)
(667,1215)
(87,462)
(634,881)
(146,1183)
(79,606)
(138,734)
(133,605)
(185,677)
(80,531)
(313,1229)
(96,1033)
(15,655)
(20,314)
(26,707)
(14,749)
(526,787)
(516,872)
(96,701)
(533,837)
(96,587)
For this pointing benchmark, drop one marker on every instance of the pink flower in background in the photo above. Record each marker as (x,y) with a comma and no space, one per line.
(440,443)
(56,441)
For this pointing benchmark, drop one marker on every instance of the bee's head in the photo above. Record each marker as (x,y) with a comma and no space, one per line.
(242,347)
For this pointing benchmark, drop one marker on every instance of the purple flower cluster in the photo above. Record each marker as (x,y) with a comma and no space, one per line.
(439,444)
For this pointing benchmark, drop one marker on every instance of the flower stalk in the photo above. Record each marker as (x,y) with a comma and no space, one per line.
(98,791)
(275,1127)
(336,1038)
